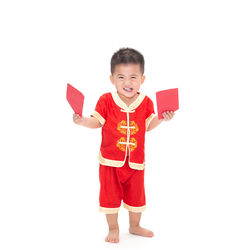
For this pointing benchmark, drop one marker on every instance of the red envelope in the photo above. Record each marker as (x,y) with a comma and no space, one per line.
(75,99)
(167,100)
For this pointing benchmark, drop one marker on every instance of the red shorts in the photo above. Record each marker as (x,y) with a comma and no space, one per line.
(121,183)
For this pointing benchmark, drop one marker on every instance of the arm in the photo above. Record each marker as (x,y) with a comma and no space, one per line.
(89,122)
(154,123)
(167,116)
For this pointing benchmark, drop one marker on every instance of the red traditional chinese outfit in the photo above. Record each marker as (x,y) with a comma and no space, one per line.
(123,139)
(123,131)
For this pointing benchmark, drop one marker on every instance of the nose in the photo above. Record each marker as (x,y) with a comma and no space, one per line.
(127,83)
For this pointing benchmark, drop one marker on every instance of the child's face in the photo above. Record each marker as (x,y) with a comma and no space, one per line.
(127,79)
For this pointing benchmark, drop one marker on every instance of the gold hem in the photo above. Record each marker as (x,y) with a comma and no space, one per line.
(108,210)
(98,117)
(134,209)
(149,119)
(114,163)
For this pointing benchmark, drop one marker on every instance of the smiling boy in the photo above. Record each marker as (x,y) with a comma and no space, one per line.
(124,115)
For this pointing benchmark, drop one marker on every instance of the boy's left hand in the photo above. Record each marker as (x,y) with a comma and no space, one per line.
(167,116)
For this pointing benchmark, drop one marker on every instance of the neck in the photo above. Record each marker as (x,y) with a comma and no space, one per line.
(128,100)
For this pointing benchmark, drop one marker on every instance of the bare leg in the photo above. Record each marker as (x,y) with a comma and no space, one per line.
(113,235)
(135,228)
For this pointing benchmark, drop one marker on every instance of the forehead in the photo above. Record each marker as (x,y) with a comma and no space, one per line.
(127,69)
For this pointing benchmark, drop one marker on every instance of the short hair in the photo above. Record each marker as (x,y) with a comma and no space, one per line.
(127,55)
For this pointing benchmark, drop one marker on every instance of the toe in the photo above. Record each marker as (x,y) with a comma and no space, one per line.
(150,234)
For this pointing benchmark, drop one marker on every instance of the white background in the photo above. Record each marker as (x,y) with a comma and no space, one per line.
(197,165)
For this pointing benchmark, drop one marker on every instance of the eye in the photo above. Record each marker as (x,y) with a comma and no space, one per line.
(120,77)
(133,77)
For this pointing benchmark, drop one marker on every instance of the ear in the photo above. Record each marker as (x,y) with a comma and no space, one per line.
(111,79)
(143,79)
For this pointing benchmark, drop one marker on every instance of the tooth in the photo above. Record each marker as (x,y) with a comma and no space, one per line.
(128,89)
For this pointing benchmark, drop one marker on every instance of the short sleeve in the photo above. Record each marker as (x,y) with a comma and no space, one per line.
(150,113)
(100,112)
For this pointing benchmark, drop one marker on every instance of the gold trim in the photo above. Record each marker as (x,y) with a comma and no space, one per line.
(99,117)
(123,105)
(134,209)
(137,166)
(149,119)
(108,210)
(107,162)
(118,164)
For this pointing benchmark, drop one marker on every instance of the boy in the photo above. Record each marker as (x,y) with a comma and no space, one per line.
(124,115)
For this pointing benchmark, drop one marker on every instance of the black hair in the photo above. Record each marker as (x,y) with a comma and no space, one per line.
(127,55)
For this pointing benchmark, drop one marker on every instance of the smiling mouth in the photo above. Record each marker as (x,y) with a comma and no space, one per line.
(128,89)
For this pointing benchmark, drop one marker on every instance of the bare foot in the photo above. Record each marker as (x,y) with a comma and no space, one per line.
(141,231)
(113,236)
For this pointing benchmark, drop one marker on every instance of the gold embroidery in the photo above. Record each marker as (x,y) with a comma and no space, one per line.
(122,127)
(135,129)
(122,142)
(122,145)
(134,145)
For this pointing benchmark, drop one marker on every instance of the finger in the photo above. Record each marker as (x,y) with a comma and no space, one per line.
(168,115)
(166,118)
(164,115)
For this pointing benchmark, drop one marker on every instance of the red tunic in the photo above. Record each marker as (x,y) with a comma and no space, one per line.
(123,131)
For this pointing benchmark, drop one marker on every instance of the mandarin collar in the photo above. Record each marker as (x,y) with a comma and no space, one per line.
(123,105)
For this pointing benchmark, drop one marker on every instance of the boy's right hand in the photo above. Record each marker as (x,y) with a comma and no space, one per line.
(77,119)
